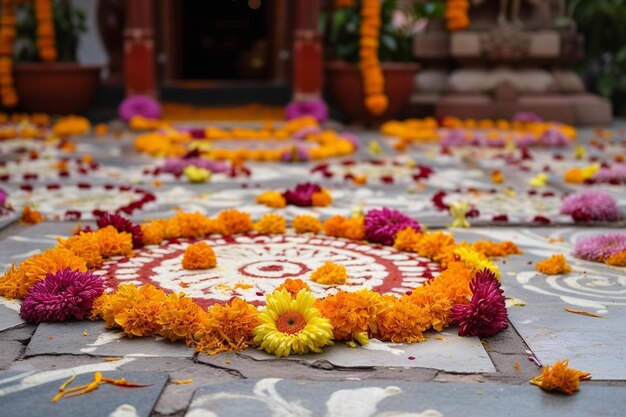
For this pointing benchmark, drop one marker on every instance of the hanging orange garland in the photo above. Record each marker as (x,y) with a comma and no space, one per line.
(457,16)
(45,31)
(373,80)
(7,37)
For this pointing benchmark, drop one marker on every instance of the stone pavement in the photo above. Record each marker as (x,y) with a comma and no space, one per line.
(446,375)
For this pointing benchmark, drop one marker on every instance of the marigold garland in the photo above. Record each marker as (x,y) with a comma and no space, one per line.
(45,30)
(376,101)
(457,15)
(8,93)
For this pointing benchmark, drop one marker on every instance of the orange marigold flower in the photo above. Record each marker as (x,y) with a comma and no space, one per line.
(199,256)
(330,274)
(227,327)
(554,265)
(431,243)
(234,221)
(293,286)
(307,224)
(321,198)
(436,304)
(334,226)
(179,318)
(490,249)
(271,224)
(402,321)
(617,259)
(192,225)
(352,315)
(114,243)
(497,177)
(152,233)
(31,216)
(354,229)
(171,228)
(140,316)
(561,378)
(111,304)
(406,239)
(84,245)
(453,282)
(272,199)
(446,255)
(17,281)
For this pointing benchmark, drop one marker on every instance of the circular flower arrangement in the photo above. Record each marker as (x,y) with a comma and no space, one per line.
(86,200)
(300,139)
(357,290)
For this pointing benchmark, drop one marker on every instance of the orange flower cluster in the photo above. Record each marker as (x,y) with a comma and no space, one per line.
(456,14)
(492,249)
(273,199)
(560,377)
(554,265)
(349,228)
(618,259)
(352,314)
(7,37)
(323,143)
(425,130)
(45,30)
(376,101)
(271,224)
(306,224)
(330,274)
(71,126)
(293,286)
(199,256)
(31,216)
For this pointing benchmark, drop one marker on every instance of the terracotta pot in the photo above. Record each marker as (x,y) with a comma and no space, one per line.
(346,89)
(57,88)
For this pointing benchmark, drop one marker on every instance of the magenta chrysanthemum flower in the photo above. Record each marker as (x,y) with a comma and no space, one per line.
(316,108)
(177,165)
(62,296)
(486,313)
(122,225)
(615,175)
(3,197)
(553,137)
(600,247)
(144,106)
(591,206)
(382,225)
(301,194)
(454,137)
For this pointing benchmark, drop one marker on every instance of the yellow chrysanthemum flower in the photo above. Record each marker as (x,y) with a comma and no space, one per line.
(292,325)
(476,260)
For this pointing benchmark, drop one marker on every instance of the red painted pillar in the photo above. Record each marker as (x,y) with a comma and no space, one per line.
(308,53)
(139,55)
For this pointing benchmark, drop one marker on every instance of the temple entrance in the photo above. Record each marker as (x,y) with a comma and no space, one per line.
(225,40)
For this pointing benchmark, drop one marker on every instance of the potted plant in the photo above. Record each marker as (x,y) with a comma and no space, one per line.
(371,75)
(47,76)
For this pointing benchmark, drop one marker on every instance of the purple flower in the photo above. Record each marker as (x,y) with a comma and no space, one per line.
(486,313)
(555,138)
(301,194)
(525,140)
(591,206)
(454,137)
(315,108)
(62,296)
(600,247)
(122,225)
(298,153)
(523,116)
(177,165)
(3,197)
(614,175)
(144,106)
(382,225)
